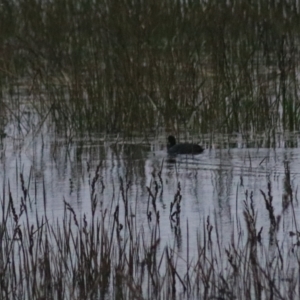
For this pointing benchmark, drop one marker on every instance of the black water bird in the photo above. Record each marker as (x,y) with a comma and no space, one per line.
(182,148)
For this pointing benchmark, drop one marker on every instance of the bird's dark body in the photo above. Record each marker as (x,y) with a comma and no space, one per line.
(182,148)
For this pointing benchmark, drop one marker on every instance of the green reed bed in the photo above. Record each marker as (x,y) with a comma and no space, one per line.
(105,255)
(121,66)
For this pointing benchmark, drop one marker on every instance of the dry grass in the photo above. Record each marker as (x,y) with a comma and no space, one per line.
(137,67)
(106,255)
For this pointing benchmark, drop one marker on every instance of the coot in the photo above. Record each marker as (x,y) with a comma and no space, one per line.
(182,148)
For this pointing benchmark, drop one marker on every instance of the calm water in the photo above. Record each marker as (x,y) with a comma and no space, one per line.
(212,184)
(130,66)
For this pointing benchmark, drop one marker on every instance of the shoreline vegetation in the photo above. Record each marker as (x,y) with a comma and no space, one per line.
(145,68)
(140,66)
(105,255)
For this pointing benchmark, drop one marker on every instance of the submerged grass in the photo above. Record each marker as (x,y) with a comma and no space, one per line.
(104,254)
(138,66)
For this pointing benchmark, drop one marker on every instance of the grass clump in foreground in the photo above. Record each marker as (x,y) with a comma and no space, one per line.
(106,255)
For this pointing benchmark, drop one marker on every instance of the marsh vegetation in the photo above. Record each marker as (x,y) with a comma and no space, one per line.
(138,67)
(91,208)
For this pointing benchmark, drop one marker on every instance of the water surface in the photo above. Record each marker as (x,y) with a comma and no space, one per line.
(212,184)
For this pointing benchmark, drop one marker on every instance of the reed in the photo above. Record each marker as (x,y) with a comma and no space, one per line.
(104,253)
(134,68)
